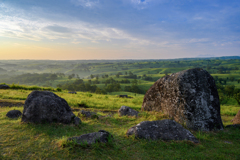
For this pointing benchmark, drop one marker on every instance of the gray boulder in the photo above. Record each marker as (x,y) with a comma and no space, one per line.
(190,97)
(46,107)
(164,130)
(127,111)
(3,86)
(14,114)
(91,138)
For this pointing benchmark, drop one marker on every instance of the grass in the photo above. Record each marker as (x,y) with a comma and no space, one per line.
(48,141)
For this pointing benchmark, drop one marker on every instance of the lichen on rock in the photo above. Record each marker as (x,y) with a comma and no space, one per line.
(190,97)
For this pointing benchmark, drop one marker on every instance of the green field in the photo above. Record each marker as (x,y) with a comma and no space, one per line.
(48,141)
(97,78)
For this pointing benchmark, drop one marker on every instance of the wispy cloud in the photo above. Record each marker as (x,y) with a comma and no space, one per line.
(24,28)
(86,3)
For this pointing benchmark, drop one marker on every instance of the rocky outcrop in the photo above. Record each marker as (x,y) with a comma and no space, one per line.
(164,130)
(236,119)
(127,111)
(91,138)
(46,107)
(14,114)
(3,86)
(190,97)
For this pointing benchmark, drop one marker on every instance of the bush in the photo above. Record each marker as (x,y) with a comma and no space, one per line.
(59,89)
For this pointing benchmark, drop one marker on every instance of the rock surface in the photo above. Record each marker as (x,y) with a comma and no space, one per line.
(164,130)
(14,114)
(88,114)
(127,111)
(91,138)
(46,107)
(73,92)
(77,121)
(236,119)
(190,97)
(3,86)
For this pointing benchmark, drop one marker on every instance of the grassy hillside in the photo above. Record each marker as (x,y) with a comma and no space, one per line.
(48,141)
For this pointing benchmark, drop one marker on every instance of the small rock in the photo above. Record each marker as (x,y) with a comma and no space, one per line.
(164,129)
(14,114)
(91,138)
(88,114)
(72,92)
(123,96)
(124,110)
(227,142)
(77,121)
(3,86)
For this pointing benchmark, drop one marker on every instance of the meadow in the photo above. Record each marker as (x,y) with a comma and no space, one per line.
(20,140)
(134,77)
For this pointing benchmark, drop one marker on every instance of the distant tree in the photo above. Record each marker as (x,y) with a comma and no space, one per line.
(53,77)
(236,95)
(89,81)
(232,78)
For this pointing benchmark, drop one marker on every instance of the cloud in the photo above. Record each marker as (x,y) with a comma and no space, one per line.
(86,3)
(38,29)
(201,40)
(206,55)
(58,29)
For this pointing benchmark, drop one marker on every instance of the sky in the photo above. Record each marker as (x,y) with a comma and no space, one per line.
(118,29)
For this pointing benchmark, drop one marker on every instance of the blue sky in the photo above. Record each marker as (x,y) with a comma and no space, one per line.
(118,29)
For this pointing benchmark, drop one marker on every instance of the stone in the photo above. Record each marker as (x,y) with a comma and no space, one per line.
(88,114)
(123,96)
(127,111)
(189,97)
(77,121)
(46,107)
(14,114)
(164,130)
(3,86)
(236,119)
(91,138)
(72,92)
(233,126)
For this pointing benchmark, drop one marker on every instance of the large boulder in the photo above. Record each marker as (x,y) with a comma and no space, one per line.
(190,97)
(3,86)
(164,130)
(236,119)
(14,114)
(91,138)
(46,107)
(127,111)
